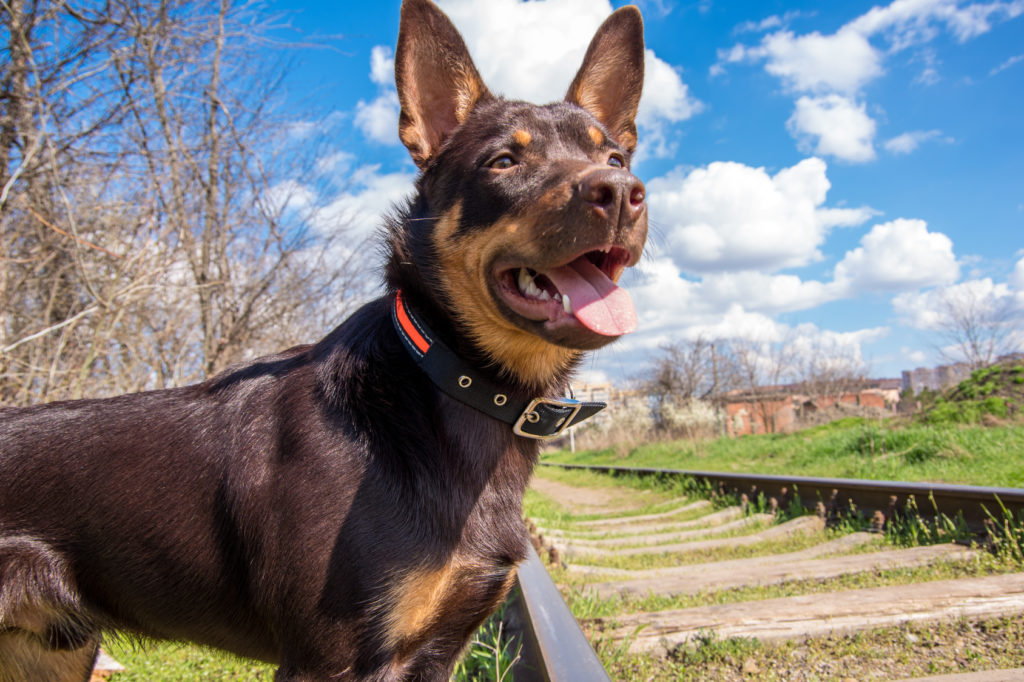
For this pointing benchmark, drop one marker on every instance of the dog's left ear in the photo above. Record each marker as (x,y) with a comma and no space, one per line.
(609,83)
(437,83)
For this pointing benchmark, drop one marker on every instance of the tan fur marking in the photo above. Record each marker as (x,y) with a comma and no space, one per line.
(522,137)
(464,263)
(417,599)
(596,135)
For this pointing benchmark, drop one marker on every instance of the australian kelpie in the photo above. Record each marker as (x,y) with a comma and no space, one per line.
(352,509)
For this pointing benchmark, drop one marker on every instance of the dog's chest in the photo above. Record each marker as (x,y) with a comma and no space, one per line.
(455,591)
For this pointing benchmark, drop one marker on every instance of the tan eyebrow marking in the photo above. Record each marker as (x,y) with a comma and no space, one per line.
(596,135)
(522,137)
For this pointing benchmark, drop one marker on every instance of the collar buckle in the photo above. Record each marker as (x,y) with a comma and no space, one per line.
(546,418)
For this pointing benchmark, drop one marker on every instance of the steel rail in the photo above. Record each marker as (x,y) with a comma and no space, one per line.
(867,495)
(554,647)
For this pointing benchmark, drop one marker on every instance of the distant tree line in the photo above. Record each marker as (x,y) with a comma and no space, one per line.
(712,370)
(147,237)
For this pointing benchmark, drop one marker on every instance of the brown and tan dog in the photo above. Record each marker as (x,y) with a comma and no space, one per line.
(352,509)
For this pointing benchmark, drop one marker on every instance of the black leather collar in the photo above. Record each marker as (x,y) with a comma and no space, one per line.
(540,418)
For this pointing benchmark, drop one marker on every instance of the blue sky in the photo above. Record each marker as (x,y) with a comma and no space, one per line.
(823,173)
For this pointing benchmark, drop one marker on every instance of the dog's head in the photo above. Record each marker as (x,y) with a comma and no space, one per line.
(526,215)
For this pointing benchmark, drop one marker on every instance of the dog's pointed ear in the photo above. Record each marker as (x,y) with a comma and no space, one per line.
(437,83)
(609,83)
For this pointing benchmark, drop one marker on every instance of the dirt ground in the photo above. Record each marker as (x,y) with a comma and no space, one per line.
(581,500)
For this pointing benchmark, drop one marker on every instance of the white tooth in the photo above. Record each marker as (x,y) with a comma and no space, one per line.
(544,296)
(565,303)
(558,297)
(524,280)
(533,290)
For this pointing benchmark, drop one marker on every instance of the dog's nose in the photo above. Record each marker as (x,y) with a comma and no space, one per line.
(610,191)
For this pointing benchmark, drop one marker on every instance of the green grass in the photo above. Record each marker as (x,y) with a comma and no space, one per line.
(848,448)
(174,662)
(489,657)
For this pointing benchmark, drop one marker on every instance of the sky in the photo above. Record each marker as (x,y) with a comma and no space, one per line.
(823,173)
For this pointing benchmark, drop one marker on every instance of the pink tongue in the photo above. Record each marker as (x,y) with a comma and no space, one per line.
(596,301)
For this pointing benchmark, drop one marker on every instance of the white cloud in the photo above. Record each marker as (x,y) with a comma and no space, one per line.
(765,293)
(1017,277)
(370,195)
(666,100)
(729,216)
(906,23)
(540,68)
(382,65)
(768,23)
(913,356)
(835,126)
(1007,64)
(738,323)
(930,309)
(898,255)
(378,120)
(908,142)
(831,71)
(842,62)
(335,163)
(288,195)
(682,311)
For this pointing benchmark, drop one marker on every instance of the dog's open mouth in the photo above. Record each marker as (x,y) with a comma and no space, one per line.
(583,289)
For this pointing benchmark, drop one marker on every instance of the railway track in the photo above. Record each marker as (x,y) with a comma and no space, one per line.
(654,585)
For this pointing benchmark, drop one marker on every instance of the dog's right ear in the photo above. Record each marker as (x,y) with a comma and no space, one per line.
(437,83)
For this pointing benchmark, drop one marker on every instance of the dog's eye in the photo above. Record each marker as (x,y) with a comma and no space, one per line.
(616,161)
(502,162)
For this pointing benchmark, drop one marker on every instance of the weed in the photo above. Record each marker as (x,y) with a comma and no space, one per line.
(909,528)
(491,654)
(1006,534)
(708,648)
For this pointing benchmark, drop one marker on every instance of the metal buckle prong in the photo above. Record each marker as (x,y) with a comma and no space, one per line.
(517,428)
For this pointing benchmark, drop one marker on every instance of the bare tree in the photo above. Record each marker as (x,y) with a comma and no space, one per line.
(689,377)
(685,369)
(147,238)
(978,326)
(828,370)
(761,367)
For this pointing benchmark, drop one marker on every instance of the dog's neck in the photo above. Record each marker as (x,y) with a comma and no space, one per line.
(539,417)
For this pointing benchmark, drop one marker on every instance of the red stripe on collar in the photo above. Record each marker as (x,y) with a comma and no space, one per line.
(407,325)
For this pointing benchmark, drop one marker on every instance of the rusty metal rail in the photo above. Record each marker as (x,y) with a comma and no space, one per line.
(554,647)
(971,501)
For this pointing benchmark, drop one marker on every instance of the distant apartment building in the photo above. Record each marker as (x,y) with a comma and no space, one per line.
(935,378)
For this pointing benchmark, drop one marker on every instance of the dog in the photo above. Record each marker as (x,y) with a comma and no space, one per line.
(352,509)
